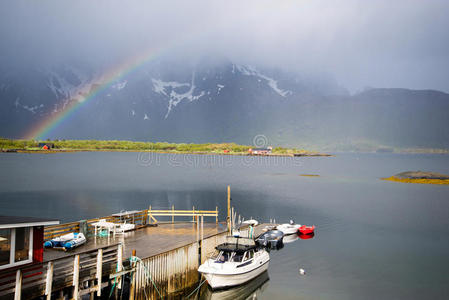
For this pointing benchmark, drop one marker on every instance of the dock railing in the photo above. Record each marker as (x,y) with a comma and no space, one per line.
(181,213)
(139,218)
(38,279)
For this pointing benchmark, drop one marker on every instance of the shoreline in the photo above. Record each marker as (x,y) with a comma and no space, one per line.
(53,151)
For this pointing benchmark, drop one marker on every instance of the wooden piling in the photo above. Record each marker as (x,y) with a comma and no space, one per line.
(132,288)
(49,280)
(76,276)
(229,210)
(18,290)
(99,270)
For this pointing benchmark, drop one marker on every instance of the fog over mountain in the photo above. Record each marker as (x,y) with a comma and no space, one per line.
(295,71)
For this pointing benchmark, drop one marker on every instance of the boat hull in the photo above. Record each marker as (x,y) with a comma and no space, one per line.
(220,281)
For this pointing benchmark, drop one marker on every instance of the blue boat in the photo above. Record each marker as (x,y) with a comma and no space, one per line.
(67,241)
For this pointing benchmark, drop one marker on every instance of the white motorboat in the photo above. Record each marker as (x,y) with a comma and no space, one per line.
(124,227)
(289,228)
(251,222)
(238,261)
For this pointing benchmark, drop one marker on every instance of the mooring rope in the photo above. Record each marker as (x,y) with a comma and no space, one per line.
(201,283)
(135,259)
(115,281)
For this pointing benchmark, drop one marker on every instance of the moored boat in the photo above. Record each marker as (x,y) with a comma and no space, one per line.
(289,228)
(304,229)
(237,261)
(272,239)
(66,241)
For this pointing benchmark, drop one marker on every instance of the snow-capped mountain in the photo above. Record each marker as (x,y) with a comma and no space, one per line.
(214,102)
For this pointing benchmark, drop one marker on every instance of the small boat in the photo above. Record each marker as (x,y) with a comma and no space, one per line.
(304,229)
(272,239)
(66,241)
(290,228)
(251,222)
(306,236)
(124,227)
(238,261)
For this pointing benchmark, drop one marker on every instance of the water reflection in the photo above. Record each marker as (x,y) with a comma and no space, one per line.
(251,290)
(306,236)
(290,238)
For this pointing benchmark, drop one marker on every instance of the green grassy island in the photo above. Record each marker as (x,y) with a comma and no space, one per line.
(58,146)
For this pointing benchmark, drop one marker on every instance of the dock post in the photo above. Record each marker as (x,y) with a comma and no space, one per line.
(76,276)
(133,278)
(49,280)
(173,214)
(216,214)
(18,289)
(232,219)
(99,270)
(119,265)
(202,228)
(193,213)
(197,229)
(228,220)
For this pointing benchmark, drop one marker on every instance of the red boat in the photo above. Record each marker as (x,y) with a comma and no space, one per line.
(304,229)
(306,236)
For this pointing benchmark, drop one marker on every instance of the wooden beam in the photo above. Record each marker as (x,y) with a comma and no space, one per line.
(18,289)
(99,270)
(76,276)
(132,288)
(229,210)
(49,280)
(119,265)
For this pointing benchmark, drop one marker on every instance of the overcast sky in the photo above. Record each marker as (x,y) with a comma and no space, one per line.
(400,43)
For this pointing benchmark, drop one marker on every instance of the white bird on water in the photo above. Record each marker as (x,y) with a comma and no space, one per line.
(301,271)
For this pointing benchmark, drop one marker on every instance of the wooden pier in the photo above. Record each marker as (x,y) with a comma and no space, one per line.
(157,260)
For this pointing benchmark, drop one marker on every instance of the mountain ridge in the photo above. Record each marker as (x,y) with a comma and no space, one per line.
(224,102)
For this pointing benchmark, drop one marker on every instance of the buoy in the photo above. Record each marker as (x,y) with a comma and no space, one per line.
(302,272)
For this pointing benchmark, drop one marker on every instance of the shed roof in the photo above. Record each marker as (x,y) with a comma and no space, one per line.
(15,221)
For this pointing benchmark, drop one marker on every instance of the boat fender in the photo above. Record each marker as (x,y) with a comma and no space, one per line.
(69,245)
(302,271)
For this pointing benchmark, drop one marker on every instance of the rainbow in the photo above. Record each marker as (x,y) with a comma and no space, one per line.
(89,91)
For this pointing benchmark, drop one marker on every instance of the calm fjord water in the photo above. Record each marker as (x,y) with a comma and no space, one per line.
(375,239)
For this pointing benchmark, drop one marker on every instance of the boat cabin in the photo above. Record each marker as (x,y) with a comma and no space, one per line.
(22,240)
(239,251)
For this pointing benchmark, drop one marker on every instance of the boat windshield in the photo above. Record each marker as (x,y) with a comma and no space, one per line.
(237,257)
(222,257)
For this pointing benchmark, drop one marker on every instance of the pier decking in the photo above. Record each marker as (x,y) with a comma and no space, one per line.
(147,241)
